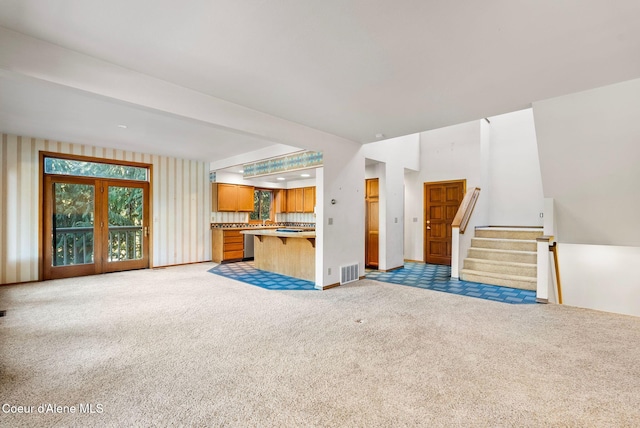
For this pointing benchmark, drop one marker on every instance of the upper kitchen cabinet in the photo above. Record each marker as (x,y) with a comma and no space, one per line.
(299,192)
(309,199)
(281,200)
(298,200)
(291,200)
(231,197)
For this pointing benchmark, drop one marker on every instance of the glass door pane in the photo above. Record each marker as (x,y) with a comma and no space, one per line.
(125,220)
(72,224)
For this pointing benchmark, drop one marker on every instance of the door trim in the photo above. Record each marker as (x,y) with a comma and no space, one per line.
(424,209)
(41,183)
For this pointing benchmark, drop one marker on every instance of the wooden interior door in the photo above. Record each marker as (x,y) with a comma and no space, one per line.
(372,223)
(441,202)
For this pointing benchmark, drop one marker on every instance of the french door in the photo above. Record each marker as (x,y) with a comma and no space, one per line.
(94,226)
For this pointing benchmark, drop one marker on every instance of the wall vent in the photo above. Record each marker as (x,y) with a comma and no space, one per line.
(349,273)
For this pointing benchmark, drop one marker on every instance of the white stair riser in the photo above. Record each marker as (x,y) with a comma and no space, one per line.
(478,265)
(515,256)
(523,285)
(508,234)
(504,245)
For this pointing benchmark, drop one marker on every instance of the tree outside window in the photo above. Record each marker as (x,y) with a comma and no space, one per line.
(261,205)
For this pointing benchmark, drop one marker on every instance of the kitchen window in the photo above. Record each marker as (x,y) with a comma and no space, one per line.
(262,203)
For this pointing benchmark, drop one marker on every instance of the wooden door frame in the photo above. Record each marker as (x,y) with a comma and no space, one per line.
(368,201)
(128,264)
(47,225)
(424,208)
(41,183)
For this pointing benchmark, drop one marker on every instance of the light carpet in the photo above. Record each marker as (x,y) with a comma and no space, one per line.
(179,346)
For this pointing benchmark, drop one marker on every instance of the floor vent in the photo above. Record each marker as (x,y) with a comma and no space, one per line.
(349,273)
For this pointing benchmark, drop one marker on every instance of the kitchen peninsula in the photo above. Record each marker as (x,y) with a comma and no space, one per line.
(287,251)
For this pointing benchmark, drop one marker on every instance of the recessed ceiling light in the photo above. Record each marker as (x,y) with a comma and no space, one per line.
(280,178)
(241,171)
(305,175)
(380,136)
(122,126)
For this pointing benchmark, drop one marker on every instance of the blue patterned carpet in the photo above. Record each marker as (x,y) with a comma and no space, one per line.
(246,272)
(438,277)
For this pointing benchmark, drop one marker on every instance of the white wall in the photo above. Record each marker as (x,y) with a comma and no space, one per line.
(451,153)
(394,156)
(515,186)
(180,195)
(341,242)
(600,277)
(589,157)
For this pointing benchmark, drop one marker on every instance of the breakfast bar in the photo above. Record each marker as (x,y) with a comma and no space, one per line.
(287,251)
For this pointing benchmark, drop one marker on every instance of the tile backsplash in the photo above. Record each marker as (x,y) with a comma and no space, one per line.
(229,217)
(296,218)
(241,218)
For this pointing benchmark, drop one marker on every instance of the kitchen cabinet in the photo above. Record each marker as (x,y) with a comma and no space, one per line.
(231,197)
(300,200)
(281,200)
(309,199)
(291,200)
(226,245)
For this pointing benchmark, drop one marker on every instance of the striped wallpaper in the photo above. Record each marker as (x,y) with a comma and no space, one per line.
(180,200)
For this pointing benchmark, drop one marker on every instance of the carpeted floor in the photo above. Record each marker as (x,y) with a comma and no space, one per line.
(182,347)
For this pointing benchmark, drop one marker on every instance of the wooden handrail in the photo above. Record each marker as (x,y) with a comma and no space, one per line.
(461,220)
(554,249)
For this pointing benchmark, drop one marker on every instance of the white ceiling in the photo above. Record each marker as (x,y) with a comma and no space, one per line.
(352,68)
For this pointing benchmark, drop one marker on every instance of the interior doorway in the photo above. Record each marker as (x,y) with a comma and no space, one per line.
(372,223)
(93,225)
(441,202)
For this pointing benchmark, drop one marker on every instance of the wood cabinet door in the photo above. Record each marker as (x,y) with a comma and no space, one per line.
(309,199)
(441,202)
(291,200)
(227,197)
(299,192)
(281,201)
(245,198)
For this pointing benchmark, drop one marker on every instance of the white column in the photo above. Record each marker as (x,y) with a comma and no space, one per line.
(455,252)
(543,268)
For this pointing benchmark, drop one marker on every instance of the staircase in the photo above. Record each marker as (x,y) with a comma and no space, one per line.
(504,256)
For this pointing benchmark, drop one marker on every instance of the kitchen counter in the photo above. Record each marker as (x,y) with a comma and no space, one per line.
(285,250)
(282,232)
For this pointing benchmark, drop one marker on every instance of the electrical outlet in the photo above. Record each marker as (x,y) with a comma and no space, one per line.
(395,220)
(541,215)
(415,219)
(329,271)
(330,221)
